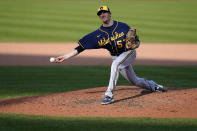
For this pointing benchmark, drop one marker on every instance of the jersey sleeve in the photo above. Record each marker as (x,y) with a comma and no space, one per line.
(127,27)
(89,41)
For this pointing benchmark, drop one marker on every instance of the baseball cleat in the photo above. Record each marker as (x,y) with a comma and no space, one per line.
(107,100)
(160,88)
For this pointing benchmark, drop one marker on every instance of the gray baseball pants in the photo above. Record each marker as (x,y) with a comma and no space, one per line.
(122,64)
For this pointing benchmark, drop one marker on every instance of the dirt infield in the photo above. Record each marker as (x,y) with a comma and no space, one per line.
(147,54)
(130,101)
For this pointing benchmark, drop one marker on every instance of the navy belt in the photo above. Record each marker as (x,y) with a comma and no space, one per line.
(115,54)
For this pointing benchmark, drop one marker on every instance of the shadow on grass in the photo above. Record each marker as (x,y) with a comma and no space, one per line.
(14,122)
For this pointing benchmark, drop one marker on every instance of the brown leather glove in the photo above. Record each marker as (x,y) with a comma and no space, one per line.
(132,41)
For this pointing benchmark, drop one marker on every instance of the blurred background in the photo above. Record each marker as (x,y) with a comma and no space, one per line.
(69,20)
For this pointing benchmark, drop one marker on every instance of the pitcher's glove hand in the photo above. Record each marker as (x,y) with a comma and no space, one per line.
(132,40)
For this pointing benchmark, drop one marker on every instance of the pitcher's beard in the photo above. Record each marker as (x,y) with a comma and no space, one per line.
(106,22)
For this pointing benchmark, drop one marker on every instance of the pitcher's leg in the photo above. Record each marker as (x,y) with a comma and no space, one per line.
(130,75)
(113,78)
(119,63)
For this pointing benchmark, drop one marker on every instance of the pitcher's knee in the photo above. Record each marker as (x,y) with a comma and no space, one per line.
(137,83)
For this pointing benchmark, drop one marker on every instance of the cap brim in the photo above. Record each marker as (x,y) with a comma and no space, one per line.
(99,13)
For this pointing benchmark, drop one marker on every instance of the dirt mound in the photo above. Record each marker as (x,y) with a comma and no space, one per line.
(130,101)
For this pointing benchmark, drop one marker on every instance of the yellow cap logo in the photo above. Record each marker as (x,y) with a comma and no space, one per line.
(103,8)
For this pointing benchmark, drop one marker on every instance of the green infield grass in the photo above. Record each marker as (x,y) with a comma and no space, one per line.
(68,21)
(18,81)
(12,122)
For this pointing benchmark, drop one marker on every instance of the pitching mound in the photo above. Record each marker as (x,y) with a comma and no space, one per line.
(130,101)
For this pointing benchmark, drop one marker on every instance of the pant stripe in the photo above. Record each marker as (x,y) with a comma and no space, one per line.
(131,53)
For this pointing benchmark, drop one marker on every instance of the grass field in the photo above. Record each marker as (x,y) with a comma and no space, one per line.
(30,81)
(13,122)
(68,21)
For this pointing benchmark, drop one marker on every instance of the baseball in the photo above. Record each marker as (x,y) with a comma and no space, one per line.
(52,59)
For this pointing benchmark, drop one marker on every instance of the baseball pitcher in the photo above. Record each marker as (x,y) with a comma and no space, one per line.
(121,41)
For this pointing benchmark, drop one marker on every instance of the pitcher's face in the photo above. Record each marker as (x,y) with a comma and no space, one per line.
(105,16)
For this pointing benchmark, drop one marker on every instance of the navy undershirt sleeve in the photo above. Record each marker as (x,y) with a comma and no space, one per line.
(79,49)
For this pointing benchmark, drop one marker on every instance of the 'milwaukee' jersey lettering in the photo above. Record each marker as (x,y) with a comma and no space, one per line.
(112,38)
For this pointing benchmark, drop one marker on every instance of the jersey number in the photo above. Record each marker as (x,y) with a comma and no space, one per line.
(119,43)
